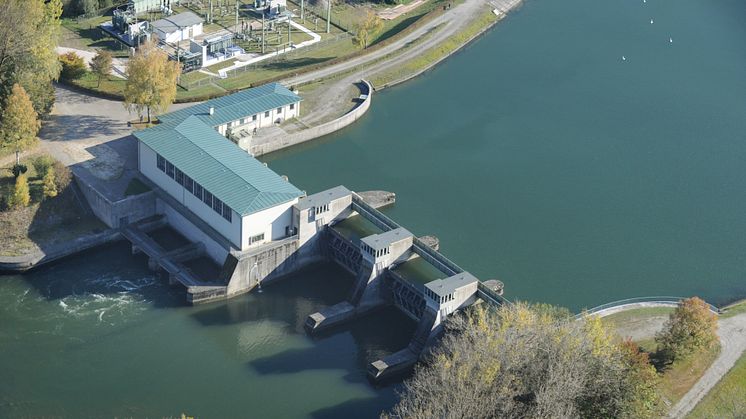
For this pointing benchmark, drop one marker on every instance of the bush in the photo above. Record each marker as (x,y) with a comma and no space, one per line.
(73,66)
(20,196)
(19,169)
(49,187)
(62,176)
(42,164)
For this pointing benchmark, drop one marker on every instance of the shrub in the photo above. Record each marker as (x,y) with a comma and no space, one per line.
(73,66)
(42,164)
(62,175)
(19,169)
(20,197)
(50,187)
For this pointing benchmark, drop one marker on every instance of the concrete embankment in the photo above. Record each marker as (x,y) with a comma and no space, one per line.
(312,133)
(22,263)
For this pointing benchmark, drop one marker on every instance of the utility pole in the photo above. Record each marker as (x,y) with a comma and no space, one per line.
(236,15)
(209,17)
(328,15)
(263,31)
(302,12)
(289,44)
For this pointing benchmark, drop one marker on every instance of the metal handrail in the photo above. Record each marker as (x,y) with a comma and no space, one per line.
(634,300)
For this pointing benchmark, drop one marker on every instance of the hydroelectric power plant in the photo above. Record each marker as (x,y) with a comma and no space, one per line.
(220,223)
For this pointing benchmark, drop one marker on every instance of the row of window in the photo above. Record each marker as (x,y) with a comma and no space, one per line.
(321,208)
(243,121)
(439,298)
(256,239)
(374,252)
(194,188)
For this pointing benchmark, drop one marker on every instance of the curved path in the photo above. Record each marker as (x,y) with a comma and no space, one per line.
(732,333)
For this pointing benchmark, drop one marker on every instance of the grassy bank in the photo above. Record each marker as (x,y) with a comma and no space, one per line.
(46,221)
(728,398)
(676,379)
(436,54)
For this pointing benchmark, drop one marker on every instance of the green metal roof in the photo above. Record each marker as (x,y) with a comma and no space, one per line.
(222,168)
(238,105)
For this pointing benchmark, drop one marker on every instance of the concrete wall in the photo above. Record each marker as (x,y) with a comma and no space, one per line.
(314,132)
(213,249)
(270,222)
(179,35)
(230,230)
(130,209)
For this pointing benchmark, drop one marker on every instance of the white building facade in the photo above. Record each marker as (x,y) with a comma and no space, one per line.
(187,157)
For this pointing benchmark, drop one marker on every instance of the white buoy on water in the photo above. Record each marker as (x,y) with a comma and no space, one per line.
(651,21)
(624,58)
(670,40)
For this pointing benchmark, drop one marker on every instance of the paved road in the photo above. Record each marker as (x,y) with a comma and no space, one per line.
(91,135)
(732,332)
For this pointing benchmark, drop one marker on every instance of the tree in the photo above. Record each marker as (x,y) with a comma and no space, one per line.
(20,196)
(516,362)
(28,37)
(691,328)
(367,29)
(50,187)
(42,163)
(20,122)
(151,80)
(73,66)
(101,65)
(87,7)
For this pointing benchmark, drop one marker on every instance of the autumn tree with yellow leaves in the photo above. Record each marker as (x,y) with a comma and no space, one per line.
(520,362)
(151,80)
(20,123)
(368,27)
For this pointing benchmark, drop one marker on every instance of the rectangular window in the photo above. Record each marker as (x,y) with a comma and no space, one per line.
(217,205)
(188,183)
(161,162)
(253,117)
(197,190)
(256,239)
(207,198)
(179,176)
(292,106)
(227,213)
(266,114)
(169,169)
(279,110)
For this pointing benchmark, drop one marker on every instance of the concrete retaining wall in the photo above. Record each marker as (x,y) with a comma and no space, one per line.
(57,251)
(317,131)
(132,208)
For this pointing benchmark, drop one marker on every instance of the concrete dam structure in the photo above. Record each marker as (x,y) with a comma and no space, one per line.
(389,264)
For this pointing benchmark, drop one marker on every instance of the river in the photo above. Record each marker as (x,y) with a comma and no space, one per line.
(537,155)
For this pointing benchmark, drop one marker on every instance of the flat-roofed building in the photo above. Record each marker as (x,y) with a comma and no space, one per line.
(178,27)
(188,157)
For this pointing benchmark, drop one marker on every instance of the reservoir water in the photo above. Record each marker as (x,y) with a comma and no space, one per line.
(537,155)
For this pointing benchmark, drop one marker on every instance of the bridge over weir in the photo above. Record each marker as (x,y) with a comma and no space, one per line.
(392,266)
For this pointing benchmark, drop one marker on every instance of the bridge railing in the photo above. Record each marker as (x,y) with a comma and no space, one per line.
(373,215)
(489,295)
(669,301)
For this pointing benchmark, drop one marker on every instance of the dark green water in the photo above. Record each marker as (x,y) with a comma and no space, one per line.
(537,156)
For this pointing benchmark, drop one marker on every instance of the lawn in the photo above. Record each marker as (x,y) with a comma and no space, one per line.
(734,309)
(85,34)
(728,398)
(681,375)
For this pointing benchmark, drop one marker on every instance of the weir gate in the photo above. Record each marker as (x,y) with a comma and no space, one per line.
(392,266)
(389,264)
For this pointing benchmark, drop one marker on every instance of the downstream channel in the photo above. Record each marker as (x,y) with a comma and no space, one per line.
(537,155)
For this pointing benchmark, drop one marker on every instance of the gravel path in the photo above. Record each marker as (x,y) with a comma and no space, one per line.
(732,332)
